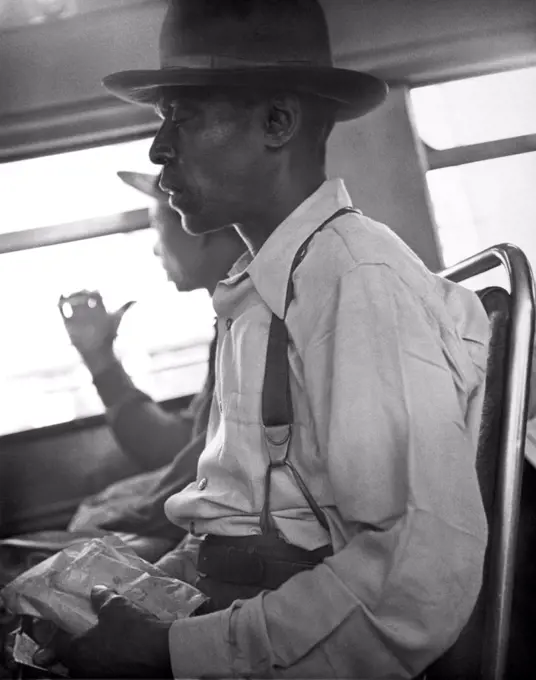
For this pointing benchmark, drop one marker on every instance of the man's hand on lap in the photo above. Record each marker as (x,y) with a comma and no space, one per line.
(126,643)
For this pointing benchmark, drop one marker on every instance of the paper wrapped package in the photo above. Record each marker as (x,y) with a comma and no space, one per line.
(59,588)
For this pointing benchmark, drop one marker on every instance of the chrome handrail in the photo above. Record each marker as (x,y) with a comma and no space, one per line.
(503,539)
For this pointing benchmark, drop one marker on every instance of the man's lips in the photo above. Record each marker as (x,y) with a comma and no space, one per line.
(168,186)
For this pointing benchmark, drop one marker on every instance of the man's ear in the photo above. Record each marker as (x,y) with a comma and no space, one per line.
(283,116)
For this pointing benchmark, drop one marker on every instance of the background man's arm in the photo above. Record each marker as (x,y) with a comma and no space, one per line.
(145,431)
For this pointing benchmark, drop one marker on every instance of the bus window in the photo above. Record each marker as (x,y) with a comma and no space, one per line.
(163,340)
(480,138)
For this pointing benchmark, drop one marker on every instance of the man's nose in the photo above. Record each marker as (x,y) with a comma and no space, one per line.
(161,151)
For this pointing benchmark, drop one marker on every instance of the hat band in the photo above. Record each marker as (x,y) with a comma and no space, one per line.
(215,62)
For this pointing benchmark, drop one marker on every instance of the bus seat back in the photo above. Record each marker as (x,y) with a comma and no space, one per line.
(462,661)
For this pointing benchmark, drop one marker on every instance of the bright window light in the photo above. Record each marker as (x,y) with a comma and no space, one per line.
(73,186)
(163,339)
(484,203)
(474,110)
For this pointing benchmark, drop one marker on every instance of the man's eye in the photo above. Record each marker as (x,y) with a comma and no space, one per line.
(179,119)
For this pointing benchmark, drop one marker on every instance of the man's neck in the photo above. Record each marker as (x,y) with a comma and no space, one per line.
(277,207)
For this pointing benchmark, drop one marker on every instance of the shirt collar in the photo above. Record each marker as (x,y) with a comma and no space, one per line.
(270,269)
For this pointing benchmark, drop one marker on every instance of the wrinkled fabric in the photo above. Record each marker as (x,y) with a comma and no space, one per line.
(387,378)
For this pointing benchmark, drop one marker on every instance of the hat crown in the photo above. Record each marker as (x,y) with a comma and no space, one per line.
(242,33)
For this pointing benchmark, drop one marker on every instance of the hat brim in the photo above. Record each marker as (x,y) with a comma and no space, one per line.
(354,93)
(147,184)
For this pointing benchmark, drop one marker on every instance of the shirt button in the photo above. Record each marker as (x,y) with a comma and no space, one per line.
(202,484)
(228,323)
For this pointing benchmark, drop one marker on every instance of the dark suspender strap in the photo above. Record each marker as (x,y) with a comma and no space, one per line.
(276,401)
(277,411)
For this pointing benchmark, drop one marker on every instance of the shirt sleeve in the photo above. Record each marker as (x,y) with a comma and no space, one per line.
(390,392)
(144,430)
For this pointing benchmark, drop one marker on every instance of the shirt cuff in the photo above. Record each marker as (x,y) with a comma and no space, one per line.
(199,646)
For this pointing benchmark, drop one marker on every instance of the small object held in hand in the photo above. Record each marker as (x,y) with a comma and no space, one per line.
(59,588)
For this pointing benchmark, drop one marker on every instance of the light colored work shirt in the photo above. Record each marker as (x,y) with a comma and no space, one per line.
(387,377)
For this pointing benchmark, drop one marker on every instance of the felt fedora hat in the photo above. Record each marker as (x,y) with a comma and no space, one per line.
(248,44)
(147,184)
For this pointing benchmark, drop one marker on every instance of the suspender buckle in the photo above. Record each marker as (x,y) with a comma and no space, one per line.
(278,443)
(278,435)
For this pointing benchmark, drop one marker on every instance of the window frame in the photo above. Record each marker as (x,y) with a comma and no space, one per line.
(437,159)
(466,154)
(81,230)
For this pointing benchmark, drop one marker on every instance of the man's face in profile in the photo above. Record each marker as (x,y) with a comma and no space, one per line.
(212,152)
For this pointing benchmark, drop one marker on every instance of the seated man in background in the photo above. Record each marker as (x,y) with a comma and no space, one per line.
(168,444)
(147,433)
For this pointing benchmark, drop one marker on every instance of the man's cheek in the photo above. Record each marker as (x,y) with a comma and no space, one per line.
(218,136)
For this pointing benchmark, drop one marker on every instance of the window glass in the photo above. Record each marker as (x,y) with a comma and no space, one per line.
(163,340)
(474,110)
(482,204)
(73,186)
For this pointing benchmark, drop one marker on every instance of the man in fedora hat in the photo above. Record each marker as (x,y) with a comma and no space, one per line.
(343,528)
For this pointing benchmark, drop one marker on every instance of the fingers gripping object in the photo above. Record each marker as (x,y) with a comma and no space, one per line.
(103,597)
(91,620)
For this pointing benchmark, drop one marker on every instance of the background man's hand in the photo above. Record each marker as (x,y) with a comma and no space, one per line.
(126,643)
(91,328)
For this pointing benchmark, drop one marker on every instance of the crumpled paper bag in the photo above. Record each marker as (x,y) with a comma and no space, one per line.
(59,588)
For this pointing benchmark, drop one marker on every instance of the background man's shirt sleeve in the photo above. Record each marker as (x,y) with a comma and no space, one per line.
(392,396)
(145,431)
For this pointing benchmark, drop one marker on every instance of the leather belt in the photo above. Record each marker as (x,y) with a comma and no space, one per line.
(264,561)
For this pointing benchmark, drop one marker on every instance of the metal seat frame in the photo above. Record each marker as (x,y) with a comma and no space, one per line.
(504,530)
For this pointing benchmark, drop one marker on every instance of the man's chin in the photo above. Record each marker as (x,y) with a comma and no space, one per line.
(197,226)
(194,224)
